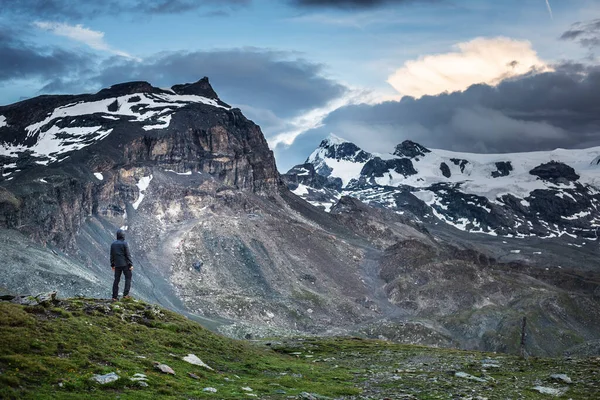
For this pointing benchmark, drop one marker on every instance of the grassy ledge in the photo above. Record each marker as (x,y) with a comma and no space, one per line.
(51,351)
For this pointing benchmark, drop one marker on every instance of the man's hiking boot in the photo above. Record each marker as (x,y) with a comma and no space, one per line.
(113,300)
(127,297)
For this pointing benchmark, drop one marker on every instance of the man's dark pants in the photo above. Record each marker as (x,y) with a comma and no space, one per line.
(128,273)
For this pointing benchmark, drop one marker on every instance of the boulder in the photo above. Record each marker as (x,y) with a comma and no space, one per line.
(164,368)
(107,378)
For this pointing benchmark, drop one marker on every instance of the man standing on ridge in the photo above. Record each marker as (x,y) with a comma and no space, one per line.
(120,262)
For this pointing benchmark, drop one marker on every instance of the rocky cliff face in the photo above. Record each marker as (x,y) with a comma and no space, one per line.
(50,186)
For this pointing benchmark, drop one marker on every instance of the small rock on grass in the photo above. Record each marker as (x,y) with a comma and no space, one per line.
(210,390)
(551,391)
(107,378)
(489,365)
(192,375)
(139,377)
(311,396)
(561,377)
(469,377)
(247,389)
(164,368)
(193,359)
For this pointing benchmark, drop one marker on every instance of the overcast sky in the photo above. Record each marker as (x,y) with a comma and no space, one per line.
(467,75)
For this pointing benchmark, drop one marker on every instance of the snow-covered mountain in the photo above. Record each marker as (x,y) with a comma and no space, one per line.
(544,194)
(46,129)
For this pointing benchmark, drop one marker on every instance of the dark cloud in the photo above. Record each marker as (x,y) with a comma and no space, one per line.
(586,34)
(270,87)
(264,80)
(22,60)
(66,9)
(536,112)
(352,4)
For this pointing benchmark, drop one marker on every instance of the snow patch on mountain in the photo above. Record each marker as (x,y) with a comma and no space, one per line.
(301,190)
(53,138)
(179,173)
(55,141)
(139,107)
(142,185)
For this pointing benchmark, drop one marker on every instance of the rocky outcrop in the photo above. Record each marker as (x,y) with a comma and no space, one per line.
(555,172)
(460,163)
(410,149)
(503,169)
(376,167)
(305,174)
(445,170)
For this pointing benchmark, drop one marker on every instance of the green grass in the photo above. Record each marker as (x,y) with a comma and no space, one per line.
(66,343)
(52,352)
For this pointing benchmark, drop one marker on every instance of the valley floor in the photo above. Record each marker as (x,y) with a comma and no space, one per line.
(53,350)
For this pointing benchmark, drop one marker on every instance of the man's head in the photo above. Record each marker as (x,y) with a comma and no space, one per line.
(120,234)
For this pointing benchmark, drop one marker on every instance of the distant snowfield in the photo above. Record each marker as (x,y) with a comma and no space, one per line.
(476,177)
(153,110)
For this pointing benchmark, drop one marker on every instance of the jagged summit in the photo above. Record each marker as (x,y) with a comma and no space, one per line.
(332,140)
(199,88)
(334,147)
(410,149)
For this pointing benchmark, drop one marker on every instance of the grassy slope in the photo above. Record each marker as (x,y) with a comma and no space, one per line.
(69,341)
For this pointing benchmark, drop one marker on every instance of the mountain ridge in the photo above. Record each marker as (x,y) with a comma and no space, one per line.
(495,189)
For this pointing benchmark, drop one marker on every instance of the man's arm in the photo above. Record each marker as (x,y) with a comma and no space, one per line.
(128,256)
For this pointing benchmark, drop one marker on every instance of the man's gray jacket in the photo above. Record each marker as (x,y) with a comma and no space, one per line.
(119,254)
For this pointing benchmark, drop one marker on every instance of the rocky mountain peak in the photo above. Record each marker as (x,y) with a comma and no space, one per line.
(337,148)
(123,89)
(199,88)
(410,149)
(332,140)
